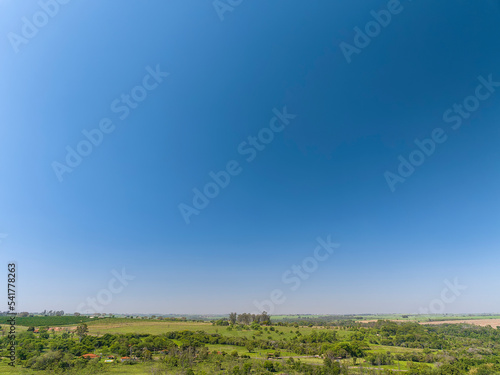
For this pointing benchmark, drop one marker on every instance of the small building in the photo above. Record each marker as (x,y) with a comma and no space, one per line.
(90,356)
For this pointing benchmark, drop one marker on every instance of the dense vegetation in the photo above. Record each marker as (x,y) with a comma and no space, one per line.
(343,347)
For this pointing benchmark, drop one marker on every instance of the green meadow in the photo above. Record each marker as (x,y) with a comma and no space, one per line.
(310,345)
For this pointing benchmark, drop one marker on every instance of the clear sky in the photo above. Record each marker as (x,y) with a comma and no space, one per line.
(334,113)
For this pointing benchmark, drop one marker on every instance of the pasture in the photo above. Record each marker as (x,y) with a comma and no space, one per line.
(398,346)
(157,327)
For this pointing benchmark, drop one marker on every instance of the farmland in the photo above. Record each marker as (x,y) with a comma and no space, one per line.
(47,320)
(308,345)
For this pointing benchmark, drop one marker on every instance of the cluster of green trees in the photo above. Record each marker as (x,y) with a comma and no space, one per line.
(438,350)
(244,318)
(62,353)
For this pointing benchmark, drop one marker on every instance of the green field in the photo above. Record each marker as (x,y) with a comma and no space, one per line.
(427,318)
(48,321)
(155,327)
(378,340)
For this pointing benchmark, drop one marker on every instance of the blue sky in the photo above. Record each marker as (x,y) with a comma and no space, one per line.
(323,175)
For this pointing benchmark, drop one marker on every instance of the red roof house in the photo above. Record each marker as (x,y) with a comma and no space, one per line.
(90,356)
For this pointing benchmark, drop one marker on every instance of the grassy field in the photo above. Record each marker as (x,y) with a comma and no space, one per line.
(100,327)
(6,328)
(156,327)
(51,321)
(426,318)
(393,349)
(118,368)
(398,317)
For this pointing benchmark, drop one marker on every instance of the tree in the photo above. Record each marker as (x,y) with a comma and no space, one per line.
(232,317)
(449,369)
(250,346)
(265,318)
(485,369)
(146,354)
(419,369)
(269,366)
(82,331)
(332,367)
(247,367)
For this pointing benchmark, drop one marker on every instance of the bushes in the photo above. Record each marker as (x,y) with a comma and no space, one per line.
(269,366)
(419,369)
(48,361)
(380,359)
(343,350)
(449,369)
(471,350)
